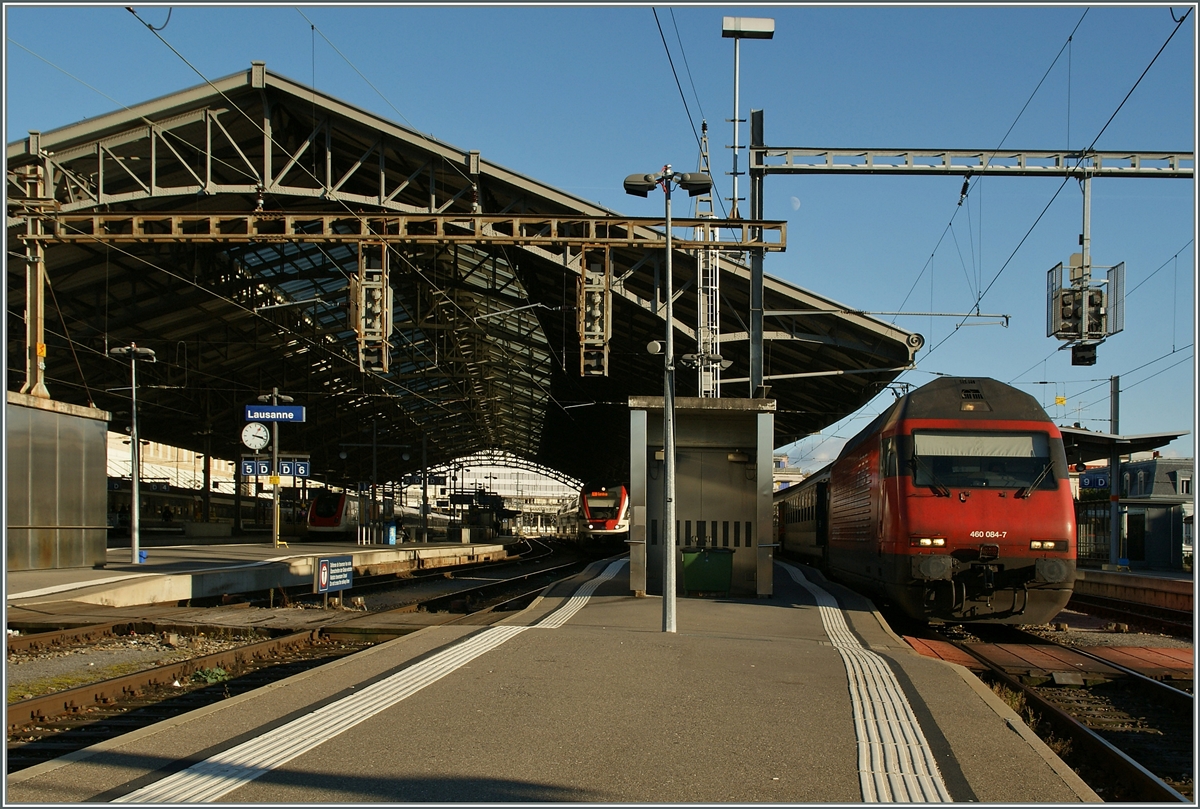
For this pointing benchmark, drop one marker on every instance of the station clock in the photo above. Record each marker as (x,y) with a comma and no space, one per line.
(255,435)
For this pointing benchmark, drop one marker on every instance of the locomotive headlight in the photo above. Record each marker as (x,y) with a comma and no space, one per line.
(1048,544)
(928,542)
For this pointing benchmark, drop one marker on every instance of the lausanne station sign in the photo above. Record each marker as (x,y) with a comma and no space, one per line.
(269,412)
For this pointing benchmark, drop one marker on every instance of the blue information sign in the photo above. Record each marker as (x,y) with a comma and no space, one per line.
(1094,481)
(268,412)
(333,573)
(255,467)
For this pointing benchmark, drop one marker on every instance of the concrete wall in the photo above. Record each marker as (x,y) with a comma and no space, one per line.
(56,460)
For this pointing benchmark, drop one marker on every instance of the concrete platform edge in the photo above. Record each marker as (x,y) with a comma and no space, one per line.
(1069,776)
(182,719)
(531,611)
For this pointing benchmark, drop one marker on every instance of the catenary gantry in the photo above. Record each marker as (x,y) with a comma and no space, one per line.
(222,226)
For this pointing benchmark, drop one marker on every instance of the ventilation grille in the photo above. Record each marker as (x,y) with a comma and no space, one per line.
(972,394)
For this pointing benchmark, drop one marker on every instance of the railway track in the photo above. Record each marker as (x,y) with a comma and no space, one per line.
(534,550)
(1130,737)
(46,727)
(49,726)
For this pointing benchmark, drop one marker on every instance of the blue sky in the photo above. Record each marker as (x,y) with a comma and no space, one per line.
(579,97)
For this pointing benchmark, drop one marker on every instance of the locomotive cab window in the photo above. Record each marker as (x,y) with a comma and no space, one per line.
(974,460)
(602,508)
(327,504)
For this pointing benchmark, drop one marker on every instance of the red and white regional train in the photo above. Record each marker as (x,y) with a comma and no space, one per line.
(599,518)
(953,505)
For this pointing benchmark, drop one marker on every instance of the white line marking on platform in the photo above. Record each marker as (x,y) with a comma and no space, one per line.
(895,764)
(232,768)
(83,584)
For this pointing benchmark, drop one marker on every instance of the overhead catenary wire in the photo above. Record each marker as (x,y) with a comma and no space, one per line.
(164,133)
(675,74)
(258,126)
(971,185)
(249,310)
(686,66)
(370,84)
(1078,161)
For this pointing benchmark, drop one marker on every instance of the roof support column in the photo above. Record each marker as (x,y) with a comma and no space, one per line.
(35,280)
(756,256)
(1114,473)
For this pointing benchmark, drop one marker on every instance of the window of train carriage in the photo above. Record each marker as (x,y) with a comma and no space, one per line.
(965,459)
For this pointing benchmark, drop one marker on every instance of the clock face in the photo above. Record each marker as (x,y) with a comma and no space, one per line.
(255,435)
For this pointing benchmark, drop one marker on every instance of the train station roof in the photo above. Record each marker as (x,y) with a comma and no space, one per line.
(222,227)
(1088,445)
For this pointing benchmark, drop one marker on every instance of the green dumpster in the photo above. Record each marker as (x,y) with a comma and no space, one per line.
(707,571)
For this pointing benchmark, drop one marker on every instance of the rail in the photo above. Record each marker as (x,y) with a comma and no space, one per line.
(1143,784)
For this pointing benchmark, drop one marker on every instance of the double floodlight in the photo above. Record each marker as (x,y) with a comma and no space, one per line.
(695,360)
(134,352)
(640,185)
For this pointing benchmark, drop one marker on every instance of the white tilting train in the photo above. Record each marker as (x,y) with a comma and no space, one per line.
(343,513)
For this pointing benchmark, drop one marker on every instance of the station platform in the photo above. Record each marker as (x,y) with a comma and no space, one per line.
(1168,589)
(180,572)
(805,697)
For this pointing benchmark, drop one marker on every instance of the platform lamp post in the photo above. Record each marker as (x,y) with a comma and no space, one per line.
(640,185)
(135,448)
(275,398)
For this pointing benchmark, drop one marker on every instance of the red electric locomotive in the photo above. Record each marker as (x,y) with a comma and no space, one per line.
(953,505)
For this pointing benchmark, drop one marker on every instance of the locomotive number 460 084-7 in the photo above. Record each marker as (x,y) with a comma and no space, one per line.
(989,534)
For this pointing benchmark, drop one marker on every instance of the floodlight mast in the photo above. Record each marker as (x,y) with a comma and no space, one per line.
(640,185)
(737,29)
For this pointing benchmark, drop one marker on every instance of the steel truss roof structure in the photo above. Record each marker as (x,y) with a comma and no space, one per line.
(220,226)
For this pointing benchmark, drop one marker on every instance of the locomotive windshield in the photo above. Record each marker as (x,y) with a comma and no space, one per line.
(601,508)
(327,504)
(977,460)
